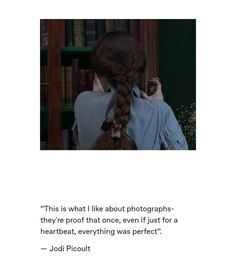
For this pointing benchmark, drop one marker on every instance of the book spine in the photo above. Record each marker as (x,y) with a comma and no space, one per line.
(75,78)
(69,32)
(79,35)
(82,33)
(90,32)
(82,80)
(65,140)
(100,28)
(63,88)
(121,25)
(76,32)
(69,94)
(110,25)
(43,32)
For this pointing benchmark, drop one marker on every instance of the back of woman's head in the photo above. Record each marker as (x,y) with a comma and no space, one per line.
(119,58)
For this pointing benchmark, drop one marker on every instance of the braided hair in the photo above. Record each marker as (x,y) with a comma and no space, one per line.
(120,59)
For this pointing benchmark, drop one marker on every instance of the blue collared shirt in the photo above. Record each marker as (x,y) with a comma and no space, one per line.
(152,123)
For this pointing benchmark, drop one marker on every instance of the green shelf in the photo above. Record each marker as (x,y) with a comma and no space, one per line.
(67,54)
(44,109)
(77,50)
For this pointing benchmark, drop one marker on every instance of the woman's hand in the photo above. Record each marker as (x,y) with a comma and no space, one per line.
(157,94)
(192,118)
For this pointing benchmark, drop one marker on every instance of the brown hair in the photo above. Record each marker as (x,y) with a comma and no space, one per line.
(119,58)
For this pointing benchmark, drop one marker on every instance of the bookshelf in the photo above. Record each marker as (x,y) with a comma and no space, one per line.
(54,116)
(66,113)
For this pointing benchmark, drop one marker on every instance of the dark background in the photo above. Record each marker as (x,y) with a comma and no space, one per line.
(177,60)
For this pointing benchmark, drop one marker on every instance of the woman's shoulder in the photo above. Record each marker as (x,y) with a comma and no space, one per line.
(90,97)
(156,105)
(160,104)
(85,95)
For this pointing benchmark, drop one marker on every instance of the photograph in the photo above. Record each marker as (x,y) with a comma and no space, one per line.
(118,84)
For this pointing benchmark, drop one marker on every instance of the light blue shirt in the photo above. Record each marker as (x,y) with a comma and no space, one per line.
(152,123)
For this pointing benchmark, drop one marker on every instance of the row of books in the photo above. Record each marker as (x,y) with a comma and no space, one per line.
(73,81)
(80,32)
(77,32)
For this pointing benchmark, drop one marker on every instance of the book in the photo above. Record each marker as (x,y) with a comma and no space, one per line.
(82,80)
(63,88)
(68,86)
(43,32)
(121,25)
(100,28)
(75,78)
(69,32)
(90,32)
(79,32)
(110,25)
(65,139)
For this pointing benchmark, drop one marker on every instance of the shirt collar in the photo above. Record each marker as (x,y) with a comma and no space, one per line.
(136,90)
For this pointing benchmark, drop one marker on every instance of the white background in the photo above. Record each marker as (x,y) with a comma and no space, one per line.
(199,184)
